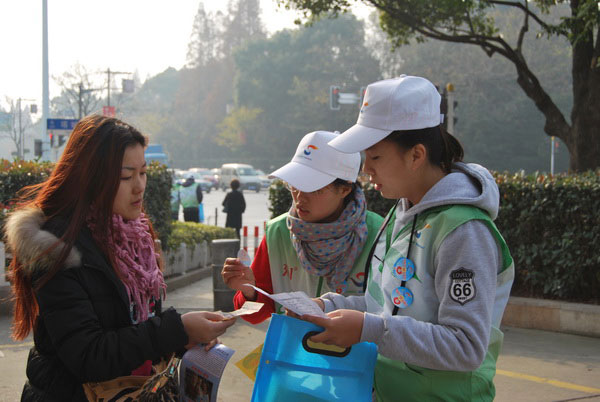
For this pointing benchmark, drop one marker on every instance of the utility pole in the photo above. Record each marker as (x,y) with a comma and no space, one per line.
(450,103)
(45,84)
(552,155)
(108,72)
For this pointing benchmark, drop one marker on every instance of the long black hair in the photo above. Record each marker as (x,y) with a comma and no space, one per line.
(443,148)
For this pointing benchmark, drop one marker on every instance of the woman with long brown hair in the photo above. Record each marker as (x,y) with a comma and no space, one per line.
(85,269)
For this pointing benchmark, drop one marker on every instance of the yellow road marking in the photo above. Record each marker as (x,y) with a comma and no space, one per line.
(16,345)
(556,383)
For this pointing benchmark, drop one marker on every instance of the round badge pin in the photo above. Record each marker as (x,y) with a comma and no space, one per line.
(402,297)
(403,269)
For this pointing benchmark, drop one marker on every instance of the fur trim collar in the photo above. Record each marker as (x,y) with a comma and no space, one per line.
(24,235)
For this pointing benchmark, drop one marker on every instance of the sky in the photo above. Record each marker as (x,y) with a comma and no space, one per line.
(146,36)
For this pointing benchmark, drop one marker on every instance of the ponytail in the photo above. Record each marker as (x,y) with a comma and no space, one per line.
(443,149)
(452,151)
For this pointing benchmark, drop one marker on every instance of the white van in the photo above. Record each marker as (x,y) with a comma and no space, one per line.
(248,177)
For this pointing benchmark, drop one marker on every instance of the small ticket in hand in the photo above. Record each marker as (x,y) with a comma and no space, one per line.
(249,307)
(244,257)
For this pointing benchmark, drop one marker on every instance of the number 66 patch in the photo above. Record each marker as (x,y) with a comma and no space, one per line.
(462,286)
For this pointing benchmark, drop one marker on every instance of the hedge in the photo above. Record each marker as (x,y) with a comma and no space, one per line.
(551,224)
(192,233)
(157,199)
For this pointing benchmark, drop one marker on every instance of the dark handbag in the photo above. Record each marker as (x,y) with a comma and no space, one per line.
(161,386)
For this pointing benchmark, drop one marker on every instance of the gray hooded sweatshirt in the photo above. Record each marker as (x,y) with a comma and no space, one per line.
(456,336)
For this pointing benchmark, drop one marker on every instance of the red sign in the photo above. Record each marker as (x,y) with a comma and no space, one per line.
(108,111)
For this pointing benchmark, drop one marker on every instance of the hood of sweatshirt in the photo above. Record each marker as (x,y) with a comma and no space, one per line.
(467,184)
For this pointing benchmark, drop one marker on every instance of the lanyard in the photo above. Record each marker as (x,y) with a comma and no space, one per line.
(374,244)
(389,229)
(410,241)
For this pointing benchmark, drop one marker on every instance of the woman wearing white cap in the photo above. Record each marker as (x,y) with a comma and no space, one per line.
(321,245)
(440,272)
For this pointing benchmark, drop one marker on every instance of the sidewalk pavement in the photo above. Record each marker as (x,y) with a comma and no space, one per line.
(241,337)
(534,365)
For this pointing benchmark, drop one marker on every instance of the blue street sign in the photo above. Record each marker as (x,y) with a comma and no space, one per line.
(61,124)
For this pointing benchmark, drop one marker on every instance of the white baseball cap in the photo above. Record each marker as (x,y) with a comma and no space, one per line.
(403,103)
(316,164)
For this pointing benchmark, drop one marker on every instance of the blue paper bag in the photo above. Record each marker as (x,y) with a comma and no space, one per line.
(292,368)
(200,213)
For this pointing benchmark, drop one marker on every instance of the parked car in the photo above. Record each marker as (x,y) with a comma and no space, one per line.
(205,185)
(249,179)
(265,182)
(206,175)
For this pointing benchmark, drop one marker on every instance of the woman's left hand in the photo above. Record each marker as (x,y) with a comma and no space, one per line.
(342,327)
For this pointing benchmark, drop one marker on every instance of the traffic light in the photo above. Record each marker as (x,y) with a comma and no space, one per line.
(33,108)
(51,140)
(61,140)
(362,93)
(334,97)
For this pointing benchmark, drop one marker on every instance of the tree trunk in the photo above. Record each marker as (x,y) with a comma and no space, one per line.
(584,137)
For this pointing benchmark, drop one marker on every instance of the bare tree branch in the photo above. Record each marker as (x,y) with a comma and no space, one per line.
(525,9)
(523,31)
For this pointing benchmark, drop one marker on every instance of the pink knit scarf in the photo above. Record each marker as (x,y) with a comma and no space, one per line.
(136,261)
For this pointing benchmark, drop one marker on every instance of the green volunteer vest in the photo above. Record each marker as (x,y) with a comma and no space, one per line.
(288,276)
(396,380)
(188,196)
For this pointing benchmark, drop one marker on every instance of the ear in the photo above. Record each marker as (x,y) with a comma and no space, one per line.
(344,190)
(418,155)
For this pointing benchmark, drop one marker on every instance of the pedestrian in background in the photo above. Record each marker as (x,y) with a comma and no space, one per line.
(234,206)
(191,197)
(85,271)
(441,272)
(322,243)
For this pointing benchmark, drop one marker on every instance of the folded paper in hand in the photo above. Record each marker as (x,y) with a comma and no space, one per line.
(296,302)
(249,307)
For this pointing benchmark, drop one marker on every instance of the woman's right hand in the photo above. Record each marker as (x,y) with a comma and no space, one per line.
(204,326)
(236,275)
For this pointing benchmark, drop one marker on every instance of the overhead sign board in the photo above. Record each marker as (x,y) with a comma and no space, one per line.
(61,124)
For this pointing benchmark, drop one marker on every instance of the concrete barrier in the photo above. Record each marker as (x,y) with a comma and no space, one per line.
(220,250)
(552,315)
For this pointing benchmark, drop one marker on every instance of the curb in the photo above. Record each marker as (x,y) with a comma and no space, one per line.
(179,281)
(520,312)
(551,315)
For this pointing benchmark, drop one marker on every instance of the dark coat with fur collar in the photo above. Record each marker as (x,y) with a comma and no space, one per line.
(83,332)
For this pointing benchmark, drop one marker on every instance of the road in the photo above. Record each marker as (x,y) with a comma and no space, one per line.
(257,211)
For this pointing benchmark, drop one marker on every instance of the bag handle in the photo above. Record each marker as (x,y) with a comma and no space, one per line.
(321,348)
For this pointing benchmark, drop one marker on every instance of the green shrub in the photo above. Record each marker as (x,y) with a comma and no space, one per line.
(157,199)
(14,175)
(551,225)
(280,199)
(192,233)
